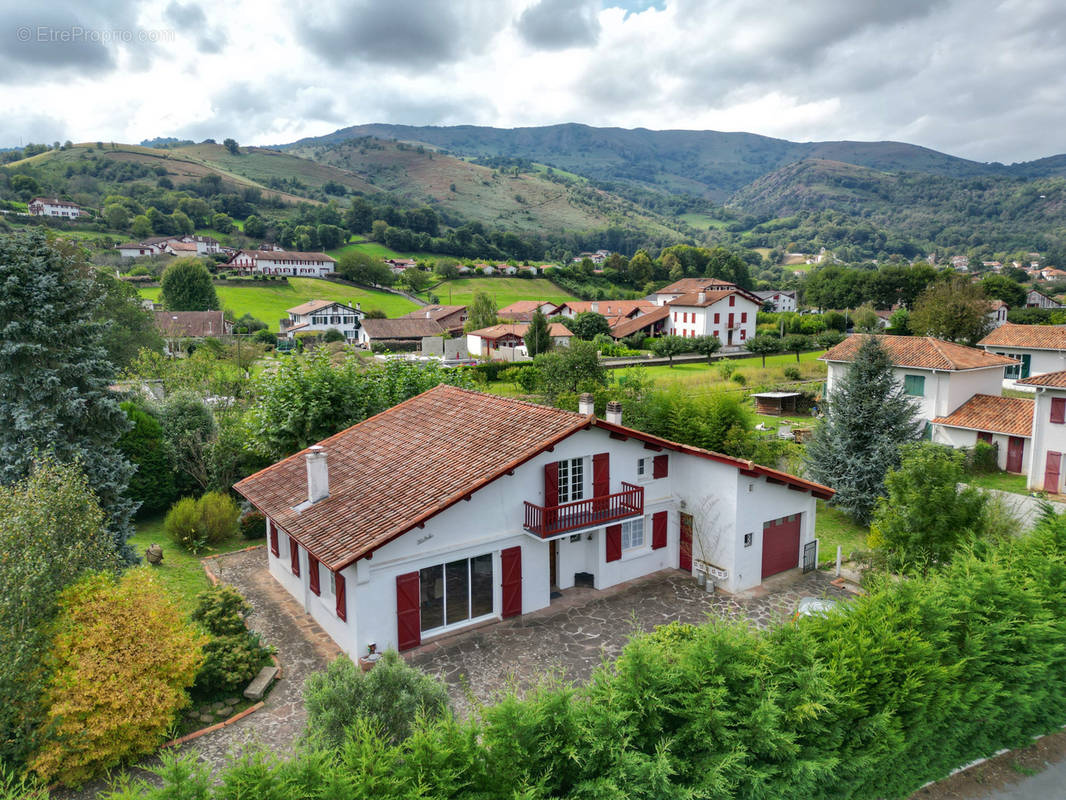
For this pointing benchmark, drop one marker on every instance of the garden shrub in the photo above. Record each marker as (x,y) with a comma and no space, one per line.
(739,379)
(122,659)
(198,524)
(233,654)
(391,696)
(726,367)
(793,373)
(985,458)
(253,525)
(221,610)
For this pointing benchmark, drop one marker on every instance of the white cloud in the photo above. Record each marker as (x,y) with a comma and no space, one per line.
(976,78)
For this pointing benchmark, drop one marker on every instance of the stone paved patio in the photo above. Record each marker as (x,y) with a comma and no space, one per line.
(570,638)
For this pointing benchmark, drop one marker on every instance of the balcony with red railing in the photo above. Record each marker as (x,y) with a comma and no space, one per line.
(548,521)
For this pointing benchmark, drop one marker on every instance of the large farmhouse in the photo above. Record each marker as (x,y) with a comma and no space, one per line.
(457,507)
(283,262)
(54,207)
(319,316)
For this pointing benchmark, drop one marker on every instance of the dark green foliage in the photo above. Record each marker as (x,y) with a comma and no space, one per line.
(198,524)
(792,373)
(233,654)
(795,344)
(265,336)
(186,286)
(570,369)
(985,457)
(867,418)
(221,610)
(332,335)
(54,374)
(912,680)
(537,338)
(829,338)
(707,345)
(253,525)
(587,325)
(128,327)
(925,518)
(717,421)
(669,346)
(763,346)
(152,485)
(1003,288)
(390,697)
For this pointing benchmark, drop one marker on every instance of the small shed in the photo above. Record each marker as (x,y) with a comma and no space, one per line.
(775,403)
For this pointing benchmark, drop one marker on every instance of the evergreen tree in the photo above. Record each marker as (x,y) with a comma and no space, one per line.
(186,286)
(537,338)
(54,374)
(868,417)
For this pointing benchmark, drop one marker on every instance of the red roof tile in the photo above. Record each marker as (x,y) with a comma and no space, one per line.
(627,327)
(1055,379)
(191,324)
(920,352)
(1035,337)
(986,412)
(689,285)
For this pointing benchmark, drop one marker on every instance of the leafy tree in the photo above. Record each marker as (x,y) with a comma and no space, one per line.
(152,485)
(190,433)
(116,216)
(707,345)
(141,227)
(358,216)
(186,286)
(222,223)
(232,146)
(836,321)
(254,228)
(1000,287)
(670,346)
(763,345)
(865,319)
(123,658)
(926,517)
(128,327)
(830,338)
(55,376)
(391,696)
(538,339)
(955,310)
(52,532)
(795,344)
(717,421)
(570,369)
(899,324)
(867,418)
(482,312)
(587,325)
(416,279)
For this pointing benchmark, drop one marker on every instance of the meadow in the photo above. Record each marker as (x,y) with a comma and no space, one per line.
(268,301)
(503,291)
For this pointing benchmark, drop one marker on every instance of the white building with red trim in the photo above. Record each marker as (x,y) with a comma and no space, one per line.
(283,262)
(54,207)
(728,314)
(455,508)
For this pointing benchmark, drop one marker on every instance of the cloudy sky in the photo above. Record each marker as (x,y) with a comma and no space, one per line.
(975,78)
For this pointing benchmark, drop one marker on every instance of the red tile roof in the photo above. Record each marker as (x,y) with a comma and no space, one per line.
(986,412)
(522,311)
(710,297)
(611,307)
(1056,379)
(402,328)
(920,352)
(1034,337)
(689,285)
(628,327)
(191,324)
(401,467)
(519,329)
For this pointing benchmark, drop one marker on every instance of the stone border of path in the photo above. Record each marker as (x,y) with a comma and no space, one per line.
(213,578)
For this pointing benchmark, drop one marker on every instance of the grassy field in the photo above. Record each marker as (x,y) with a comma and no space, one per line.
(503,290)
(181,572)
(701,377)
(702,221)
(1004,481)
(833,527)
(377,250)
(268,302)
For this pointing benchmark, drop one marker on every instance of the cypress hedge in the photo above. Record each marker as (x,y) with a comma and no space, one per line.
(871,701)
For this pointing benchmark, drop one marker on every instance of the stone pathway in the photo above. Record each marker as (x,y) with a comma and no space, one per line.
(571,637)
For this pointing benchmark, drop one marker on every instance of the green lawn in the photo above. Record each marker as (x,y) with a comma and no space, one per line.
(181,572)
(269,301)
(377,250)
(504,291)
(702,221)
(698,376)
(1004,481)
(833,527)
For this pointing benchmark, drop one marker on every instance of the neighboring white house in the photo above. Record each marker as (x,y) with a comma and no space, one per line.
(940,376)
(283,262)
(486,341)
(455,508)
(319,316)
(688,286)
(54,207)
(728,314)
(1006,422)
(781,300)
(174,245)
(1037,299)
(1039,349)
(998,314)
(1045,463)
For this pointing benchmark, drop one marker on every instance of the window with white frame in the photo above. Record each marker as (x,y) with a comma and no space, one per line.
(633,533)
(571,480)
(328,587)
(644,468)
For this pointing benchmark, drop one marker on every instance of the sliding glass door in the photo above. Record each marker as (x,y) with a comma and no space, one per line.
(455,592)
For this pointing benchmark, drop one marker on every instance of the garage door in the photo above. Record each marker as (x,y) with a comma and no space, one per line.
(780,544)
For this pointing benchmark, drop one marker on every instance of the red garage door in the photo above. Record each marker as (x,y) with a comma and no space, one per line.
(780,544)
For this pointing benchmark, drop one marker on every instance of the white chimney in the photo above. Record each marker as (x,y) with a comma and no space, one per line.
(586,404)
(317,475)
(701,298)
(614,412)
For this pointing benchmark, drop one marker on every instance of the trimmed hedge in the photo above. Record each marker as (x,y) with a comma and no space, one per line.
(871,701)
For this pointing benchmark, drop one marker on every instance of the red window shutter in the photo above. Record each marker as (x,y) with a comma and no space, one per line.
(312,573)
(601,478)
(660,466)
(294,556)
(273,537)
(717,318)
(551,484)
(408,614)
(342,599)
(614,542)
(743,317)
(675,316)
(658,530)
(743,334)
(732,299)
(1058,409)
(511,583)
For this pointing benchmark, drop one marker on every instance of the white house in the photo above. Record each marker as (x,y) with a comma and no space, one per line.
(319,316)
(54,207)
(998,314)
(523,310)
(688,286)
(1045,463)
(728,314)
(1038,349)
(283,262)
(781,300)
(939,376)
(1006,422)
(485,341)
(1037,299)
(455,508)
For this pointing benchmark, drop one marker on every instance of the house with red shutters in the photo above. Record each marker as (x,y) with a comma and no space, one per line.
(728,314)
(456,508)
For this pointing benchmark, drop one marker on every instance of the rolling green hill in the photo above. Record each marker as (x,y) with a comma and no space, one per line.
(503,291)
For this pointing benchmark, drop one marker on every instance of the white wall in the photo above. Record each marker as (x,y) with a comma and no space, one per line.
(699,321)
(964,384)
(759,502)
(1046,436)
(1041,361)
